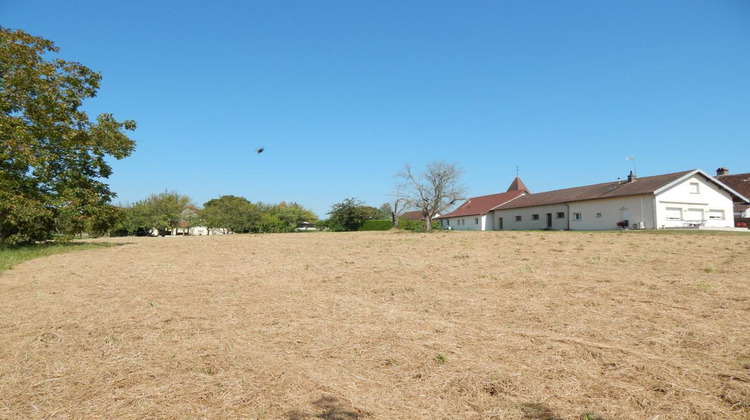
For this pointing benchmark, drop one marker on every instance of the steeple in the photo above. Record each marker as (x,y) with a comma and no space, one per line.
(518,185)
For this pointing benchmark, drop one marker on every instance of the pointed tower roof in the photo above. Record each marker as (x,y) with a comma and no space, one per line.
(518,185)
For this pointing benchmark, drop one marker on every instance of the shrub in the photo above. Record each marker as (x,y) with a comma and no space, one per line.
(415,225)
(376,225)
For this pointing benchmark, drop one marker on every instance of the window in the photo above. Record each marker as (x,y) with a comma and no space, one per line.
(534,217)
(674,213)
(560,215)
(716,214)
(518,218)
(449,221)
(694,215)
(576,216)
(598,215)
(695,188)
(476,220)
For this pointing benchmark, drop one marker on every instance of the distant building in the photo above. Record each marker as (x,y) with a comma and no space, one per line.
(741,184)
(677,200)
(474,213)
(306,226)
(681,199)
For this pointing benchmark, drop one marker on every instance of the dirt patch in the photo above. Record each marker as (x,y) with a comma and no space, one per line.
(485,325)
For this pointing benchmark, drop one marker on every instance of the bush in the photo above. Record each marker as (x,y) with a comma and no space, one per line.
(376,225)
(416,225)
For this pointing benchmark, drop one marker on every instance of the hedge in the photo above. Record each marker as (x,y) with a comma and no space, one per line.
(376,225)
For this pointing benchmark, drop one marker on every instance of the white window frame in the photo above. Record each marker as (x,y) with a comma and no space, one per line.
(715,214)
(672,210)
(577,217)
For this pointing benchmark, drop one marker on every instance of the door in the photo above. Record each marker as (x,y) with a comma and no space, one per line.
(549,220)
(499,223)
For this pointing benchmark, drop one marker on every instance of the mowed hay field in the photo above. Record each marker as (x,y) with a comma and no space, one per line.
(382,325)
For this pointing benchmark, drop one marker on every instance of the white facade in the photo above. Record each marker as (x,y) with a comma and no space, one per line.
(554,217)
(603,214)
(474,222)
(694,202)
(195,231)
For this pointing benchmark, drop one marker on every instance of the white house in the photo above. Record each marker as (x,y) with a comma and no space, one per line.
(474,213)
(681,199)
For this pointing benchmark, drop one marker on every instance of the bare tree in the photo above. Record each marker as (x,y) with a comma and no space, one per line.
(433,191)
(397,207)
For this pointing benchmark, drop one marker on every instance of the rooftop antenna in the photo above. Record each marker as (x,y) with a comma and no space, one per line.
(635,169)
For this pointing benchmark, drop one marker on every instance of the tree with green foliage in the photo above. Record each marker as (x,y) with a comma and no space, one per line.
(385,211)
(349,215)
(52,157)
(235,214)
(291,214)
(165,212)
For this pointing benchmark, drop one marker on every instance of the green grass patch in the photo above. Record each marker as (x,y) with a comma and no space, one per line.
(12,256)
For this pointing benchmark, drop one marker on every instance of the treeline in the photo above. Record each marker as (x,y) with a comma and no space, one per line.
(353,215)
(169,212)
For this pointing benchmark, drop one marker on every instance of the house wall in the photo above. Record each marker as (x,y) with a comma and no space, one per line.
(701,207)
(605,213)
(527,221)
(199,231)
(487,222)
(464,223)
(594,214)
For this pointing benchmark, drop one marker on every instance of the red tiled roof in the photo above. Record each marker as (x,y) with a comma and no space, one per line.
(517,185)
(482,205)
(737,182)
(645,185)
(412,215)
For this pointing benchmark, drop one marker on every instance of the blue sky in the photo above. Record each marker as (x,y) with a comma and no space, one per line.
(342,93)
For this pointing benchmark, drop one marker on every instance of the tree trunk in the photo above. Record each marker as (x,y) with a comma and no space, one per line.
(427,223)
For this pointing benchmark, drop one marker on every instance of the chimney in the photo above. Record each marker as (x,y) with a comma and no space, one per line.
(722,171)
(631,177)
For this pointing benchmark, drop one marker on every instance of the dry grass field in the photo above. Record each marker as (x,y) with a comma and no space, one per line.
(386,325)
